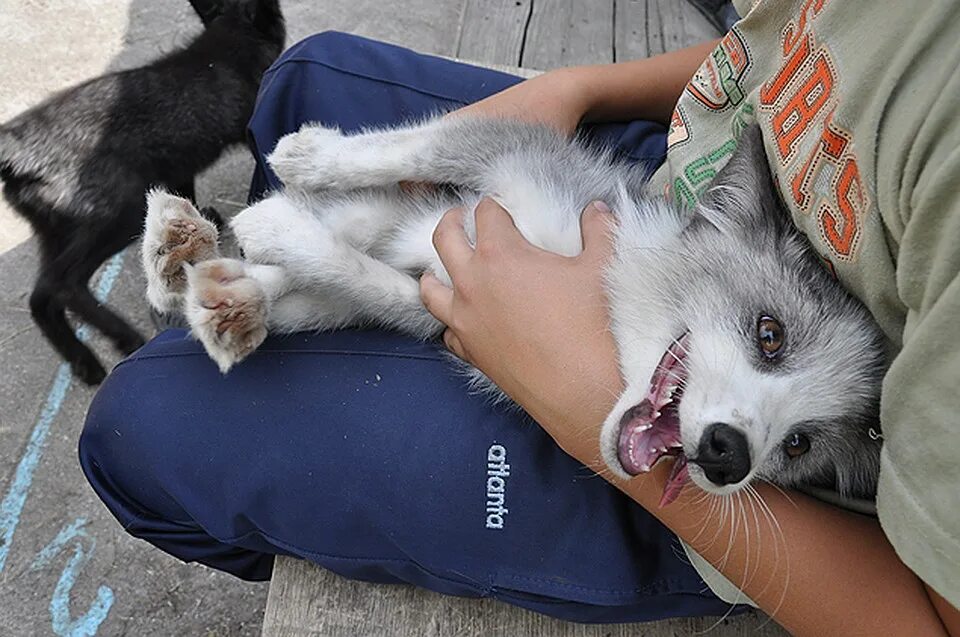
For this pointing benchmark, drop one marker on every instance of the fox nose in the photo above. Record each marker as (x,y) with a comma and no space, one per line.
(723,454)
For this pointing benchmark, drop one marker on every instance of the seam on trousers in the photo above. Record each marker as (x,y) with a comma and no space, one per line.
(663,585)
(374,78)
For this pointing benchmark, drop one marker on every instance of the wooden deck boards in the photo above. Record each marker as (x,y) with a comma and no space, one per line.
(492,31)
(569,32)
(546,34)
(306,600)
(650,27)
(534,34)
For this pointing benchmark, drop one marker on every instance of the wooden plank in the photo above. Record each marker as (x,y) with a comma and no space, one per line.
(695,28)
(567,32)
(630,35)
(318,603)
(675,25)
(651,27)
(491,31)
(655,35)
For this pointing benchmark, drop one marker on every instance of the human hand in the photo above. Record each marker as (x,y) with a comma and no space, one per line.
(556,98)
(533,321)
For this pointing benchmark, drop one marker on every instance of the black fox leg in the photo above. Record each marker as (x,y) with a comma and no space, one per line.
(80,300)
(48,311)
(88,251)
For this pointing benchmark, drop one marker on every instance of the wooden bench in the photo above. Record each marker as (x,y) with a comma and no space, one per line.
(532,34)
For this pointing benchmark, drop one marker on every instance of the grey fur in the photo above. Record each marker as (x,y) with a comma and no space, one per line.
(342,245)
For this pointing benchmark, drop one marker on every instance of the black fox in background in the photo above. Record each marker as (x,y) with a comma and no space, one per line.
(78,165)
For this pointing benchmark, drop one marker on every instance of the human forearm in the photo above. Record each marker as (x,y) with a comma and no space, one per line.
(562,98)
(793,554)
(790,555)
(639,89)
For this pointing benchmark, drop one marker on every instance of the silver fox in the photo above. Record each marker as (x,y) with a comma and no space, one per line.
(741,355)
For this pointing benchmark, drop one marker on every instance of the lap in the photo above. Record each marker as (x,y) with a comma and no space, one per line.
(364,452)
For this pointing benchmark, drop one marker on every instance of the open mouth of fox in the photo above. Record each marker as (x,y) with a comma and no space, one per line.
(650,430)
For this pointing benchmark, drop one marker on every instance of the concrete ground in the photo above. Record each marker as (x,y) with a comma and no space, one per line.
(66,567)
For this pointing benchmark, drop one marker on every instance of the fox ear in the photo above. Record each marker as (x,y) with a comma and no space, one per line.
(743,193)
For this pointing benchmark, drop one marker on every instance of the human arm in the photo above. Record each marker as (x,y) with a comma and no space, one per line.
(536,324)
(639,89)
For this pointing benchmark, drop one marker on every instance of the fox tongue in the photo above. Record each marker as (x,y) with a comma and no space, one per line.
(645,437)
(675,481)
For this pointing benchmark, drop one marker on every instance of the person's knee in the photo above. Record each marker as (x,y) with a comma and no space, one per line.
(120,448)
(98,462)
(128,450)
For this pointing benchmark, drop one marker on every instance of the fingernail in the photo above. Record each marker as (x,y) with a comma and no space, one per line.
(600,206)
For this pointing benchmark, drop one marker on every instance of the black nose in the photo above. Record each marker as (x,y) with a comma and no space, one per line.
(723,454)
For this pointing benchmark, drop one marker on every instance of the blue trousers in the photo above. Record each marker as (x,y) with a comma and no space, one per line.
(361,450)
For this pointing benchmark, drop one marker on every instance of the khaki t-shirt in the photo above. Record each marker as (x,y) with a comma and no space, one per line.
(859,104)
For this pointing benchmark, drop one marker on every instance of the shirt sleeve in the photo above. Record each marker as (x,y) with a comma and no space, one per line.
(919,492)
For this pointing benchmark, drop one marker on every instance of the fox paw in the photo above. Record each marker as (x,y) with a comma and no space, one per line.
(226,309)
(309,158)
(175,234)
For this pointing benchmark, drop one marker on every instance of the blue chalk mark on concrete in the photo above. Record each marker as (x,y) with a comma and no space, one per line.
(87,624)
(13,502)
(12,505)
(67,533)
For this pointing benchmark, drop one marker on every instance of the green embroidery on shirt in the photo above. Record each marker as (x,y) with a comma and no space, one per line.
(698,174)
(728,76)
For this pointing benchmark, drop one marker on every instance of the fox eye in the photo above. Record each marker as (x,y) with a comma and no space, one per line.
(770,335)
(796,445)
